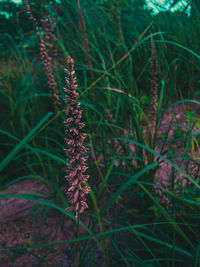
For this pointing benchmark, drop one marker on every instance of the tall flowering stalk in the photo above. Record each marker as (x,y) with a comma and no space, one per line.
(77,191)
(119,26)
(154,83)
(45,46)
(82,27)
(47,60)
(48,24)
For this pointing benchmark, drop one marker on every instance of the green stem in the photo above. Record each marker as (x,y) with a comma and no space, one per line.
(78,243)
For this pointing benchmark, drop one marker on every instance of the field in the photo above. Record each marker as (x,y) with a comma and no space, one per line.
(100,126)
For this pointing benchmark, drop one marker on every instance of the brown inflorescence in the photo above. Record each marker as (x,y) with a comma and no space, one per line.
(154,82)
(47,60)
(46,42)
(48,24)
(75,152)
(82,27)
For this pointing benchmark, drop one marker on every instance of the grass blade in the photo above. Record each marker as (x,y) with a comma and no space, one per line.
(9,157)
(126,185)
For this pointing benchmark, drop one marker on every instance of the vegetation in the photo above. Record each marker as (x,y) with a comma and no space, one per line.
(134,70)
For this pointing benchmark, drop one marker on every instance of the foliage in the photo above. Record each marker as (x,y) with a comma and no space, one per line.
(141,222)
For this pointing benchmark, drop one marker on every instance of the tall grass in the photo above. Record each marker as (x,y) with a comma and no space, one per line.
(133,219)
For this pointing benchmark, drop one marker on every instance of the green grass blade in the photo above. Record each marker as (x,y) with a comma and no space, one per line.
(197,256)
(107,233)
(22,178)
(166,244)
(167,216)
(9,157)
(34,198)
(132,180)
(59,192)
(106,178)
(160,156)
(179,45)
(120,253)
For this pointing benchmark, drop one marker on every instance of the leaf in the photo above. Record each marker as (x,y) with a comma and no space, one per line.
(132,211)
(145,100)
(155,210)
(132,180)
(178,133)
(197,92)
(9,157)
(197,125)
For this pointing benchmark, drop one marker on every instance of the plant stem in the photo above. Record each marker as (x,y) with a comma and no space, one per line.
(78,243)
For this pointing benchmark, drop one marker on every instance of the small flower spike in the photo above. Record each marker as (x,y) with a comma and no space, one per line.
(154,82)
(77,191)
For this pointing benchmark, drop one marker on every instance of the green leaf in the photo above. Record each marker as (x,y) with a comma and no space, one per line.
(197,92)
(155,210)
(106,178)
(9,157)
(132,180)
(164,135)
(178,133)
(145,100)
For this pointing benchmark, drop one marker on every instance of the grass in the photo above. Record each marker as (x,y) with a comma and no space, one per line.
(128,225)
